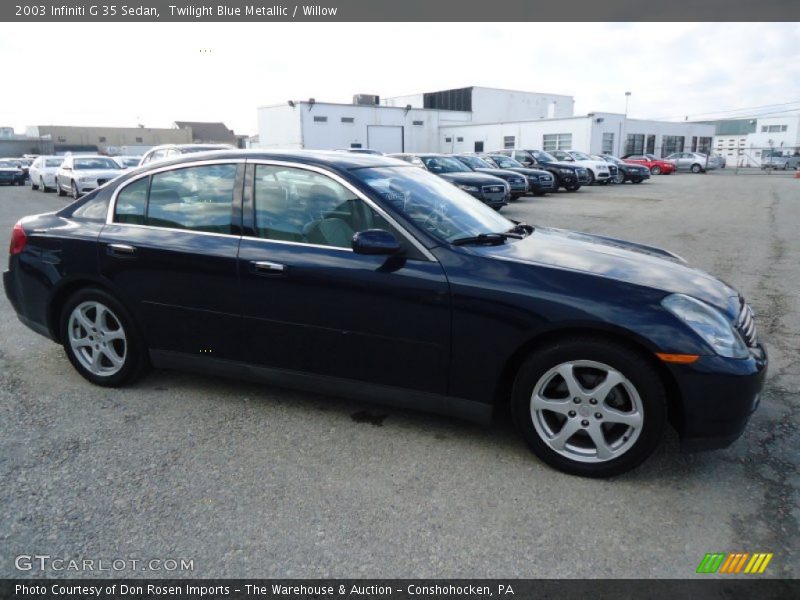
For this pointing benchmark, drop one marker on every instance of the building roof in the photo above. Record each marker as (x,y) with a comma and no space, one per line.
(207,132)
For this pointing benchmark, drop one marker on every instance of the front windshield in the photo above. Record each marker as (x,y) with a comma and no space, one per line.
(505,162)
(5,163)
(475,162)
(543,156)
(433,204)
(611,159)
(129,162)
(445,164)
(561,155)
(95,163)
(53,162)
(580,156)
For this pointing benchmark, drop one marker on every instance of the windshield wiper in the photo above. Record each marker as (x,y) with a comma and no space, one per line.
(485,239)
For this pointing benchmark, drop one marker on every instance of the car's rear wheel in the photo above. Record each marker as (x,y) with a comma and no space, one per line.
(696,168)
(589,407)
(655,170)
(100,339)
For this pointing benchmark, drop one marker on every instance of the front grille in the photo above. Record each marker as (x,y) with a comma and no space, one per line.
(517,181)
(746,325)
(493,189)
(613,170)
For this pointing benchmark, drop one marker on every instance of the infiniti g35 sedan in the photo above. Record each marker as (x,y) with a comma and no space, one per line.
(359,275)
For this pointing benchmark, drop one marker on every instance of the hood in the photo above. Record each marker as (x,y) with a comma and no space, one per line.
(630,262)
(472,178)
(529,172)
(10,169)
(561,163)
(501,173)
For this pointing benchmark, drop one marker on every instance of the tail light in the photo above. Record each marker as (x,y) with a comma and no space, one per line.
(18,240)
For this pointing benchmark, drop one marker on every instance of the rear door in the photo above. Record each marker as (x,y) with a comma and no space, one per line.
(311,304)
(170,249)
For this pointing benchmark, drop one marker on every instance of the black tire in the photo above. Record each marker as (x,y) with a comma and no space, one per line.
(135,362)
(74,189)
(592,180)
(43,186)
(655,170)
(60,191)
(540,193)
(634,367)
(34,187)
(696,168)
(574,187)
(637,180)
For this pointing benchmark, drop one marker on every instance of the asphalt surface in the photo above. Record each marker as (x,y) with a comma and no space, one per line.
(248,480)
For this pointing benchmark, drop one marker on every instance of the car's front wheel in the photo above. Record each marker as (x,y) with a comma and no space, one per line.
(100,339)
(59,189)
(591,176)
(696,168)
(589,407)
(620,178)
(34,187)
(655,170)
(572,188)
(75,193)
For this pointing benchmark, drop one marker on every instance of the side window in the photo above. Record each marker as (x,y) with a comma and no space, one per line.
(194,198)
(303,206)
(131,203)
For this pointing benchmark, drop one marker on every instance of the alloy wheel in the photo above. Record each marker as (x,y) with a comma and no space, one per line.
(97,338)
(587,411)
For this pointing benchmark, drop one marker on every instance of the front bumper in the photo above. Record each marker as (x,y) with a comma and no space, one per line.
(718,396)
(540,186)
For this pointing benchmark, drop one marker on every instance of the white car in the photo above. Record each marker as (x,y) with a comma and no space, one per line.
(128,162)
(43,172)
(599,171)
(81,174)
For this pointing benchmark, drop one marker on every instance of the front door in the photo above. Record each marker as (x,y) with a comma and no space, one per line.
(311,304)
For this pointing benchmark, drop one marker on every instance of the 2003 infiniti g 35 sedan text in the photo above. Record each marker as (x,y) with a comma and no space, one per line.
(365,276)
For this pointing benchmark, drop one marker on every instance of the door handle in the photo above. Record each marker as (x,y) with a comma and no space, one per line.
(264,267)
(121,250)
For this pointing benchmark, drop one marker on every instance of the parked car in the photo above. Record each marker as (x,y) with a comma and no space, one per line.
(568,175)
(517,182)
(695,162)
(625,171)
(128,162)
(719,160)
(11,173)
(79,174)
(539,180)
(599,170)
(396,287)
(489,189)
(43,172)
(361,151)
(657,166)
(167,151)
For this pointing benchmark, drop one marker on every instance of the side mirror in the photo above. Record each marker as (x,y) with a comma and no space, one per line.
(375,241)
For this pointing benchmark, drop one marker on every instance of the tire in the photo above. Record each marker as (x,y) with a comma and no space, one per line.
(655,170)
(629,426)
(573,187)
(637,180)
(42,186)
(122,356)
(591,177)
(75,193)
(540,193)
(34,187)
(696,168)
(620,179)
(60,191)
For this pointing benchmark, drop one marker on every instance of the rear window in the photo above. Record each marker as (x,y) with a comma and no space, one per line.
(92,207)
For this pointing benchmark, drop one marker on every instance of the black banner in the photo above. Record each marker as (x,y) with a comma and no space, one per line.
(397,10)
(401,589)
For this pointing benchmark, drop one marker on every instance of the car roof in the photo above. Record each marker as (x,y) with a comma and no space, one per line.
(329,158)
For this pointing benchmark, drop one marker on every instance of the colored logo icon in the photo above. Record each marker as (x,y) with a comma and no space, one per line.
(735,563)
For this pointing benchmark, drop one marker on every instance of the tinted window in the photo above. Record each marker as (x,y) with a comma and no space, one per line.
(131,203)
(196,198)
(303,206)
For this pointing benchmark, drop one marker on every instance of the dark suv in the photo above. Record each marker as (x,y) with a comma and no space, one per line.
(489,189)
(570,177)
(516,181)
(539,180)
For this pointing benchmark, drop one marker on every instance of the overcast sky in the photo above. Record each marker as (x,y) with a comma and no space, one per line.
(124,74)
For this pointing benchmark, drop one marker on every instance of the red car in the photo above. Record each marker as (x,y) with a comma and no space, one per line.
(657,166)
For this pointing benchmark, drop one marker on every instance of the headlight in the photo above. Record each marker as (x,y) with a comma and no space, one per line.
(565,171)
(707,322)
(85,179)
(470,188)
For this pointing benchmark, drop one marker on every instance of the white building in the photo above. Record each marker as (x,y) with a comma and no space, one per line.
(473,119)
(744,142)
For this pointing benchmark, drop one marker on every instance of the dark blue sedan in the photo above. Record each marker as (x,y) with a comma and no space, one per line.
(369,277)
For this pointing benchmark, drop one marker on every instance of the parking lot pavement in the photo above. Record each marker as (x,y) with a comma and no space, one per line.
(249,480)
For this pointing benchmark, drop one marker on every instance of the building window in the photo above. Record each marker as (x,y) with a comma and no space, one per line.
(62,139)
(704,145)
(557,141)
(478,146)
(102,138)
(348,120)
(320,119)
(355,145)
(671,143)
(139,140)
(608,143)
(634,143)
(418,123)
(459,139)
(509,141)
(448,139)
(694,143)
(651,144)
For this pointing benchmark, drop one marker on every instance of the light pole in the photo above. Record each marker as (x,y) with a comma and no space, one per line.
(624,120)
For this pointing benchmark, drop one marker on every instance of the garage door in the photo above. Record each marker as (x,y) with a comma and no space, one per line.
(385,138)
